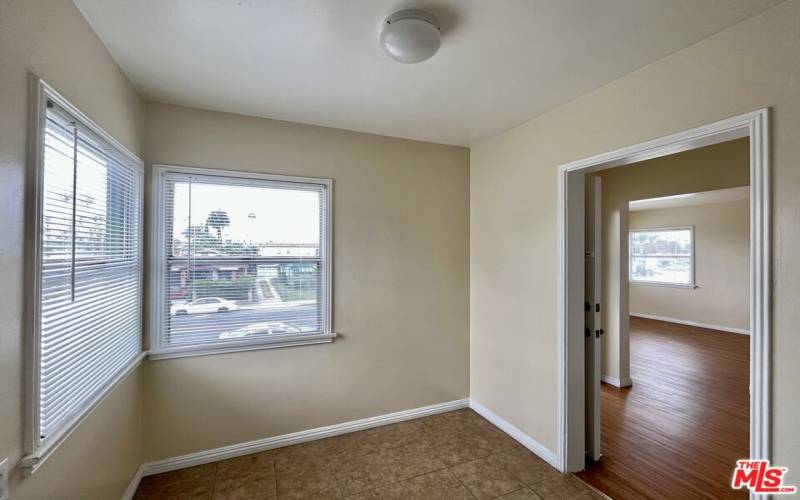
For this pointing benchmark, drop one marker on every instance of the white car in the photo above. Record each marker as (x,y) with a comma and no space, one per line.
(269,328)
(204,305)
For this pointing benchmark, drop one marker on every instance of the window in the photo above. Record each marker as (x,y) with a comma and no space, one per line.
(242,261)
(86,269)
(662,256)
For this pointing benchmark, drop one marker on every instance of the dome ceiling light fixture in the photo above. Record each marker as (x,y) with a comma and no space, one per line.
(411,36)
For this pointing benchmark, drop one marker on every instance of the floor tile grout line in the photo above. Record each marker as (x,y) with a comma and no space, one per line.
(524,485)
(399,481)
(426,425)
(510,492)
(274,476)
(447,468)
(214,479)
(469,491)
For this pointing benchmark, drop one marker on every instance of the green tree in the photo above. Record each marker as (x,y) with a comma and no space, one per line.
(201,239)
(218,219)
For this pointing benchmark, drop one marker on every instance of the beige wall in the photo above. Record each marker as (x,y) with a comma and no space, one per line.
(98,460)
(401,220)
(400,272)
(513,351)
(719,166)
(51,39)
(400,290)
(722,266)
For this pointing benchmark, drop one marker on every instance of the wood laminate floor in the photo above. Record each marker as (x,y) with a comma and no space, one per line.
(679,430)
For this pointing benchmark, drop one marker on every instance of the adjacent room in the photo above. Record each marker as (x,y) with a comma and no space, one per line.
(269,249)
(674,402)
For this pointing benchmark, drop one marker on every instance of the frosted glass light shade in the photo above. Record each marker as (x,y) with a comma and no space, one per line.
(411,36)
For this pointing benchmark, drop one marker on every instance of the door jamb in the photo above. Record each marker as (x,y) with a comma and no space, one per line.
(753,125)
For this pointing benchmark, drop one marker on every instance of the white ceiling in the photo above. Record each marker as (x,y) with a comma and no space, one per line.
(502,62)
(690,199)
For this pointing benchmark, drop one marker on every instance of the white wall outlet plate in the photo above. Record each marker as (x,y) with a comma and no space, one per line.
(4,479)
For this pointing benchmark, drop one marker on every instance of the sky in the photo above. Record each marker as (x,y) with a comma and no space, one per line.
(257,214)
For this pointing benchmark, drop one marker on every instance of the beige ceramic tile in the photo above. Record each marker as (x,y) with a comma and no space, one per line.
(245,490)
(439,485)
(303,458)
(486,479)
(251,476)
(458,449)
(255,467)
(363,473)
(525,466)
(310,479)
(403,460)
(191,483)
(564,487)
(394,491)
(523,494)
(413,459)
(399,434)
(355,444)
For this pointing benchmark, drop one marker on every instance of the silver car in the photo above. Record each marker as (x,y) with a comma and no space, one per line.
(267,328)
(204,305)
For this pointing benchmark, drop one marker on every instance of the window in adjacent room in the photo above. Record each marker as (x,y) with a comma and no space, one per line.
(662,256)
(242,261)
(85,265)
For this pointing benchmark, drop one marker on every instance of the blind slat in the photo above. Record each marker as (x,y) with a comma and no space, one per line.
(90,309)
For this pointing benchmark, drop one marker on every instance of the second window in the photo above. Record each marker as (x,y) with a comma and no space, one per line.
(244,260)
(662,256)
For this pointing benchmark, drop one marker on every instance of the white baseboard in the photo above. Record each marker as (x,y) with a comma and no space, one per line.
(130,491)
(525,440)
(730,329)
(259,445)
(616,382)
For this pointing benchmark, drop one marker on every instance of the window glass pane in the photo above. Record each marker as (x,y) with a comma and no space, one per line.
(243,260)
(661,256)
(676,270)
(233,220)
(664,242)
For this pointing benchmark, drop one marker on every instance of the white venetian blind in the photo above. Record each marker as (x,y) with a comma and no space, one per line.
(90,268)
(245,260)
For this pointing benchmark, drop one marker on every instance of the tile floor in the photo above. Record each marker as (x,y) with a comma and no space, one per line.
(453,455)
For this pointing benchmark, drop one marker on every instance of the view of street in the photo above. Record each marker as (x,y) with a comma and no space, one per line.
(208,327)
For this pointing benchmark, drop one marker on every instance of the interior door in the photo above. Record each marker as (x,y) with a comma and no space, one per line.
(593,309)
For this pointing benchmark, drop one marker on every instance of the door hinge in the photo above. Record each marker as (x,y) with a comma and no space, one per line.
(597,307)
(599,332)
(587,332)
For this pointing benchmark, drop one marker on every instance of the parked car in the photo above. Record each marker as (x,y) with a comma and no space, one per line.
(269,328)
(204,305)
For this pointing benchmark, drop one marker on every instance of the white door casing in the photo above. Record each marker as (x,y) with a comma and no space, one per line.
(571,381)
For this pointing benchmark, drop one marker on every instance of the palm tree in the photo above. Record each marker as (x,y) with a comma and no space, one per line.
(218,219)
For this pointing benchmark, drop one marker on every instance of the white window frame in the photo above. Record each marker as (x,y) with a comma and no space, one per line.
(36,449)
(158,258)
(691,284)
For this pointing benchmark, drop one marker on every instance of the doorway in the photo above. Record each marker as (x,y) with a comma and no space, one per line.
(575,379)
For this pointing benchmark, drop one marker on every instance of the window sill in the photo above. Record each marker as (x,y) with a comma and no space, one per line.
(690,286)
(253,345)
(32,461)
